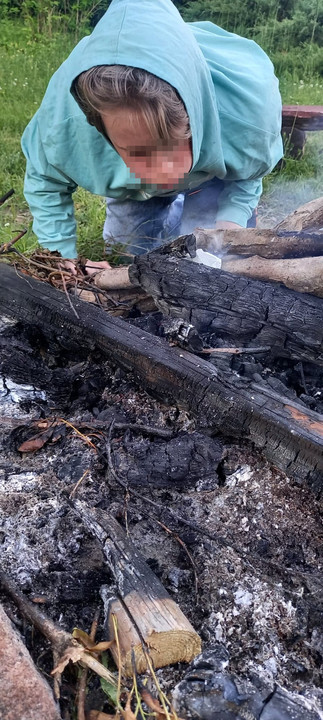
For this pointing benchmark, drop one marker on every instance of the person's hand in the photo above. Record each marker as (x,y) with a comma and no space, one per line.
(92,267)
(69,265)
(227,225)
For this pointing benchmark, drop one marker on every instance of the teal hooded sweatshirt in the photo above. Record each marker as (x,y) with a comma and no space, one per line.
(230,92)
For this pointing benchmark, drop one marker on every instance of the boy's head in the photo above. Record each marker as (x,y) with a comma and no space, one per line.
(142,116)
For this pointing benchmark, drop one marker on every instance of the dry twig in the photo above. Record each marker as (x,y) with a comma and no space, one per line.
(190,557)
(8,245)
(84,438)
(75,488)
(67,647)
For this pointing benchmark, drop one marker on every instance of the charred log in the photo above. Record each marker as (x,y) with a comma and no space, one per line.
(289,435)
(238,310)
(183,461)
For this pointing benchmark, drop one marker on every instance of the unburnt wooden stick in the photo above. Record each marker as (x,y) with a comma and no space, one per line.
(265,243)
(144,610)
(302,274)
(115,278)
(307,216)
(24,693)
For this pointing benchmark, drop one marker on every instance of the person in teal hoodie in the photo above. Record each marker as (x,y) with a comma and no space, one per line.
(154,114)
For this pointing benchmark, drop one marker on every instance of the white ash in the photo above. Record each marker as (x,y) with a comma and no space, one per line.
(12,394)
(254,614)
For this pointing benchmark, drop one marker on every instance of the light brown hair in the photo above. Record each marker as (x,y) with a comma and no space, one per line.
(116,86)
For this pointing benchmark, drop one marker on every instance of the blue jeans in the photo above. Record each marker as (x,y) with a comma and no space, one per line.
(144,226)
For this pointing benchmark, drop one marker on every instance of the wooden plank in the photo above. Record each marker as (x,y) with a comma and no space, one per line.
(288,434)
(303,111)
(305,117)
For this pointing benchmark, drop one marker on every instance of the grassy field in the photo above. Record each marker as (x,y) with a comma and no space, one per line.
(26,65)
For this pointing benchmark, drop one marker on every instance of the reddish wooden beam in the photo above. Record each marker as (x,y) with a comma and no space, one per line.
(304,117)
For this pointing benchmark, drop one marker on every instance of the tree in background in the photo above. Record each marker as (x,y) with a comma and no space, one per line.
(291,31)
(303,18)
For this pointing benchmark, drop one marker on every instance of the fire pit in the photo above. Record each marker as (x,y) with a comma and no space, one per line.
(99,411)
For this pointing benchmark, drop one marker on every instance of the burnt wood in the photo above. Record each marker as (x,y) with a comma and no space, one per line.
(239,310)
(288,434)
(144,610)
(182,461)
(271,244)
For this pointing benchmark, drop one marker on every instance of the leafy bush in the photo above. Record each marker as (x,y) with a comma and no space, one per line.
(279,26)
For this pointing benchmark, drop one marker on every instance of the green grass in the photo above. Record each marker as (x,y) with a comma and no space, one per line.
(26,64)
(301,90)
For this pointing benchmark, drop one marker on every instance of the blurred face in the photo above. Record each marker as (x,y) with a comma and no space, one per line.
(152,161)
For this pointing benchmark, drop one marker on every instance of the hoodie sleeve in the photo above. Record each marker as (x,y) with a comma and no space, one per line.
(238,200)
(253,152)
(49,195)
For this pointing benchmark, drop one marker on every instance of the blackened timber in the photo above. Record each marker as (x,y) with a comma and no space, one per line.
(237,309)
(287,433)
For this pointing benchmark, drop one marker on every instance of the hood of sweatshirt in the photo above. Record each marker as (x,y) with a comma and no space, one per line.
(151,35)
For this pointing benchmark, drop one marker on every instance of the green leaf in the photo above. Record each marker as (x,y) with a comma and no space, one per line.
(109,689)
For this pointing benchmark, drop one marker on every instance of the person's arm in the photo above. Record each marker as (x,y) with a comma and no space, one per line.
(49,195)
(227,225)
(237,201)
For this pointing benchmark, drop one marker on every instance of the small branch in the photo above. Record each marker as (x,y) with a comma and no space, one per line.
(6,246)
(62,642)
(58,677)
(135,427)
(58,638)
(68,296)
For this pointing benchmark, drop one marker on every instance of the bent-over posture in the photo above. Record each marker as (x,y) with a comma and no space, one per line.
(166,119)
